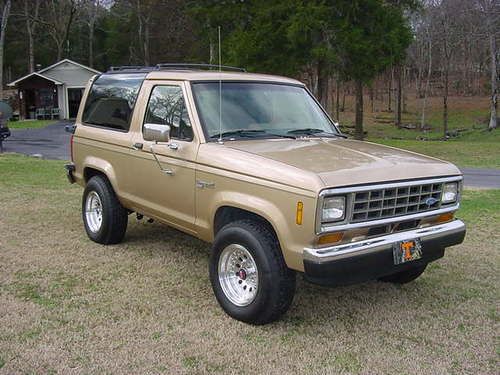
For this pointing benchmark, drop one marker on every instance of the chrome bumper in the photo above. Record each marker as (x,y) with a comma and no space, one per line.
(332,253)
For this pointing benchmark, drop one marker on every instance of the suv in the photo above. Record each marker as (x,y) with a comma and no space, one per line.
(252,164)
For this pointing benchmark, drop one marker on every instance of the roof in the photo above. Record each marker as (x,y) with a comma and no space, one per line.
(201,75)
(40,72)
(14,83)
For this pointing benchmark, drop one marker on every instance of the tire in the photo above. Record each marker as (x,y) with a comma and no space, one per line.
(404,276)
(99,196)
(256,247)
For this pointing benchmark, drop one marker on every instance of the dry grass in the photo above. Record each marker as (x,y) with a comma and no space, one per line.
(68,305)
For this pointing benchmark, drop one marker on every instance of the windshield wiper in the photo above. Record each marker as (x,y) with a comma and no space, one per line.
(240,133)
(249,133)
(315,131)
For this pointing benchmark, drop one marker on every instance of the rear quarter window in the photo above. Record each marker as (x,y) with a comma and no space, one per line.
(110,102)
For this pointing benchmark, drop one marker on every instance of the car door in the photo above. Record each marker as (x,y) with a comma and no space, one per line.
(165,172)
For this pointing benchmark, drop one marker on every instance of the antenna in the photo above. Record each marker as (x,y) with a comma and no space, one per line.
(220,92)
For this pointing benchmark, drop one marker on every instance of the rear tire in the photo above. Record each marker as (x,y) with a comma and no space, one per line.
(405,276)
(248,273)
(104,218)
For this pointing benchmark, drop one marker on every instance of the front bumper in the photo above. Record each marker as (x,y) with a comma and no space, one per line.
(372,258)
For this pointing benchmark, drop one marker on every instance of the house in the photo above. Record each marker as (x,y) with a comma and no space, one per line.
(53,92)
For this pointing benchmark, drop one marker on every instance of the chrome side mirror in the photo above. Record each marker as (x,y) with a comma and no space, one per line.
(156,133)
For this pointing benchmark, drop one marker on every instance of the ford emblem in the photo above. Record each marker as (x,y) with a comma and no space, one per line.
(431,201)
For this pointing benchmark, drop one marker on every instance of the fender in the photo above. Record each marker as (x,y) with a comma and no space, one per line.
(103,166)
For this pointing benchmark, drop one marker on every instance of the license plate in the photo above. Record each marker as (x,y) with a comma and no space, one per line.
(407,251)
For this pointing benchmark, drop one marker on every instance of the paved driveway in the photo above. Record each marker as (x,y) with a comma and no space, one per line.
(51,142)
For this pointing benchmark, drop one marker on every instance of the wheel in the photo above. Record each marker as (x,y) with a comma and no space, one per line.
(404,276)
(248,273)
(104,217)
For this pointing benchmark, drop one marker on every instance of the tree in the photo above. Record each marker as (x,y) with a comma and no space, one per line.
(371,35)
(3,29)
(490,9)
(31,11)
(58,19)
(91,11)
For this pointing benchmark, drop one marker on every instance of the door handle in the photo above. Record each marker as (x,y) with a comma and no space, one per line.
(173,146)
(137,146)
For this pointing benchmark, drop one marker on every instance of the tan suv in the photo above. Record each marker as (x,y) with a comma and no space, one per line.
(252,164)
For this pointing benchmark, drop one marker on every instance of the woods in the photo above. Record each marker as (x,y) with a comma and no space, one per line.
(376,50)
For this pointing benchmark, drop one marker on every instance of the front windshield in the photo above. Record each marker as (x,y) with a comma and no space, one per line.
(259,109)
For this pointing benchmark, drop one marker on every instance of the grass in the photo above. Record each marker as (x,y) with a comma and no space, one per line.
(30,124)
(146,305)
(472,146)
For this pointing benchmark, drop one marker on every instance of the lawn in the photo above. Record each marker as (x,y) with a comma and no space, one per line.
(30,124)
(473,146)
(68,305)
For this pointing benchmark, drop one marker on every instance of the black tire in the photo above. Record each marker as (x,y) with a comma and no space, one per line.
(276,282)
(114,215)
(404,276)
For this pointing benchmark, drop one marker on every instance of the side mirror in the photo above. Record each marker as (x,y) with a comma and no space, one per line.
(156,133)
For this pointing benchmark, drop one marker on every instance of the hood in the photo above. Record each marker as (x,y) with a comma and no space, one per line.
(341,162)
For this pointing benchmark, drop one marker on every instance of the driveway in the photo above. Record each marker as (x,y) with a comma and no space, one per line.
(51,142)
(481,178)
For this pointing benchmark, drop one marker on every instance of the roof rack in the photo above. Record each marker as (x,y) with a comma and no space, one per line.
(129,67)
(172,66)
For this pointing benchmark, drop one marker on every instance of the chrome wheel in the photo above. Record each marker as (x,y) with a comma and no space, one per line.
(93,212)
(238,275)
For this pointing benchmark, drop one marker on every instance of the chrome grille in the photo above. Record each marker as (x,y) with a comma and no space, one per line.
(395,201)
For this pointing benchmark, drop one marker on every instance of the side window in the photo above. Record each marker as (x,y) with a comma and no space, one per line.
(167,107)
(111,100)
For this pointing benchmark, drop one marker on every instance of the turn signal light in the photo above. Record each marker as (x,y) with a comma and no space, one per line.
(300,213)
(443,218)
(330,238)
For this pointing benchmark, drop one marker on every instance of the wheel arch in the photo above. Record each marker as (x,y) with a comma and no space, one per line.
(227,213)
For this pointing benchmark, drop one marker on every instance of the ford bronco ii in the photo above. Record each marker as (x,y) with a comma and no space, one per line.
(252,164)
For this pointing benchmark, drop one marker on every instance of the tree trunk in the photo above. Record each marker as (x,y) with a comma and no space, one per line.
(91,44)
(398,95)
(371,99)
(359,111)
(427,83)
(3,29)
(445,99)
(337,100)
(30,31)
(494,83)
(389,105)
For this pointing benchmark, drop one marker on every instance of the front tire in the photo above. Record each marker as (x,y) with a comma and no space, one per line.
(104,217)
(404,276)
(248,273)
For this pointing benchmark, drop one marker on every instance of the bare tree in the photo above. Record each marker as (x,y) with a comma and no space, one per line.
(59,16)
(490,10)
(91,9)
(428,36)
(448,37)
(31,11)
(3,29)
(145,10)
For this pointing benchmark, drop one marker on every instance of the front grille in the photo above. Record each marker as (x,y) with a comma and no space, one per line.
(395,201)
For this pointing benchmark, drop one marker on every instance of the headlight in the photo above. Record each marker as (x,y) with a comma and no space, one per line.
(450,192)
(333,209)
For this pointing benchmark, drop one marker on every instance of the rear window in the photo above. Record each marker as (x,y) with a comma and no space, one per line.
(111,100)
